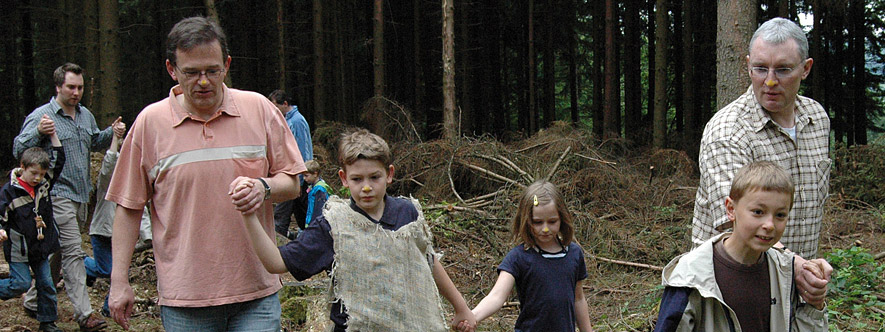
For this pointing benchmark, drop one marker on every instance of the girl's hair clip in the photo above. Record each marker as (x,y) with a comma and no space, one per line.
(535,200)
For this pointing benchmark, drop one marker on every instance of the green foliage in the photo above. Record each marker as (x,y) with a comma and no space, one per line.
(855,279)
(295,303)
(859,171)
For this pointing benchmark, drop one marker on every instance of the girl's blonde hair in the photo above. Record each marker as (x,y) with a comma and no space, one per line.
(545,193)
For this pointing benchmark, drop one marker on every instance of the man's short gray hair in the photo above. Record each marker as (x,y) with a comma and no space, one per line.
(778,30)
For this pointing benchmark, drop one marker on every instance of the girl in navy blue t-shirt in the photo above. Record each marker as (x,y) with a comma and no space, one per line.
(546,267)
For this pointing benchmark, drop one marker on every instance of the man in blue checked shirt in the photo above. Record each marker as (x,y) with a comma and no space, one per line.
(79,134)
(283,211)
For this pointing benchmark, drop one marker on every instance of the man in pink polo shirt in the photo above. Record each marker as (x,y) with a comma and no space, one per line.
(182,154)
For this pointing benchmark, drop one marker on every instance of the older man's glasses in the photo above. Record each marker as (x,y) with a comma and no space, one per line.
(195,74)
(780,73)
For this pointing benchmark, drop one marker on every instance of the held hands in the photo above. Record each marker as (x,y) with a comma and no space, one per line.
(812,278)
(46,126)
(246,194)
(3,236)
(466,322)
(119,127)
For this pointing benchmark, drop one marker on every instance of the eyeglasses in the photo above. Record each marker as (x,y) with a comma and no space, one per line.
(780,73)
(194,74)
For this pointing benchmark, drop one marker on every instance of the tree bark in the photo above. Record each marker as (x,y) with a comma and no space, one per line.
(597,70)
(281,47)
(691,135)
(467,119)
(448,37)
(109,79)
(319,78)
(533,109)
(549,67)
(857,20)
(736,22)
(416,57)
(660,115)
(573,63)
(632,71)
(611,108)
(378,47)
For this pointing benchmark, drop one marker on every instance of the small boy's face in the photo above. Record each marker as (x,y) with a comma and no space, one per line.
(311,178)
(33,174)
(367,181)
(759,219)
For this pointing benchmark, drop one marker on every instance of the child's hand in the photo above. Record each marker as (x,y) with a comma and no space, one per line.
(466,321)
(3,236)
(119,127)
(46,125)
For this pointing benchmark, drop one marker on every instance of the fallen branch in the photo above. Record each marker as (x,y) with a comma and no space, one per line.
(455,208)
(610,163)
(462,233)
(449,173)
(532,146)
(879,255)
(526,176)
(558,161)
(488,173)
(647,266)
(483,197)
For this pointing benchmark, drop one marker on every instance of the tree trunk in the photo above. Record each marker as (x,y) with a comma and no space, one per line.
(660,115)
(611,108)
(27,69)
(691,135)
(678,82)
(597,69)
(416,57)
(493,92)
(632,71)
(467,120)
(378,46)
(448,60)
(281,47)
(735,25)
(856,20)
(652,78)
(573,63)
(533,109)
(319,78)
(549,67)
(109,79)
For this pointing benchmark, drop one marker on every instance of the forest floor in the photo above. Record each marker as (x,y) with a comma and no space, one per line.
(632,211)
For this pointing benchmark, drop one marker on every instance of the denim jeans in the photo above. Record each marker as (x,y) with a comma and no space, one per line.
(20,280)
(259,315)
(99,266)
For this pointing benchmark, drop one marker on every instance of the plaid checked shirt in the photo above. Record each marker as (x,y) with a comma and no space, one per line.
(78,136)
(741,133)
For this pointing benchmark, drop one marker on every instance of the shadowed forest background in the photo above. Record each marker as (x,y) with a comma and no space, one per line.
(478,98)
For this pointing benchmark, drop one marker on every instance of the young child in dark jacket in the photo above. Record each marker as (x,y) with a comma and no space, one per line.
(29,232)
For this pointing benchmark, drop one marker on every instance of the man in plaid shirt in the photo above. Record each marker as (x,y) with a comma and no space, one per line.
(771,122)
(76,128)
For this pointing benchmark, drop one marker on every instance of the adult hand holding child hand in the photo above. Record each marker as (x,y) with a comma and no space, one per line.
(246,194)
(812,278)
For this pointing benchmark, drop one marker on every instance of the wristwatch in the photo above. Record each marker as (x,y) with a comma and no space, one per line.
(266,188)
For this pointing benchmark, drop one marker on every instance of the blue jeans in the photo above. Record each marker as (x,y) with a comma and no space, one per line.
(99,266)
(259,315)
(20,280)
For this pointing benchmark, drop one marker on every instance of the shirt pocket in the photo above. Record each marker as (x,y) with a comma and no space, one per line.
(823,179)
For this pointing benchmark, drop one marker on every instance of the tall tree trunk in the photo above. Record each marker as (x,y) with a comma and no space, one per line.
(492,68)
(817,53)
(735,25)
(109,81)
(857,20)
(319,77)
(467,118)
(660,115)
(416,56)
(378,46)
(597,70)
(652,78)
(573,62)
(27,69)
(549,67)
(691,137)
(281,47)
(678,82)
(533,109)
(448,32)
(632,71)
(611,110)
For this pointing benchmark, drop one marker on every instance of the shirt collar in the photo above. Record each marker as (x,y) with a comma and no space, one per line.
(384,219)
(56,107)
(759,118)
(179,114)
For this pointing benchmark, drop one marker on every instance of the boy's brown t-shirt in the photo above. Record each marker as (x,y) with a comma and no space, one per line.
(745,288)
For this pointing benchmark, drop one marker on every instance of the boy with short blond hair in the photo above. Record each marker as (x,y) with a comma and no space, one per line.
(386,275)
(739,281)
(29,226)
(317,191)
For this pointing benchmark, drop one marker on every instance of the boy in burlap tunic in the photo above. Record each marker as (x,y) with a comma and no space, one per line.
(386,276)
